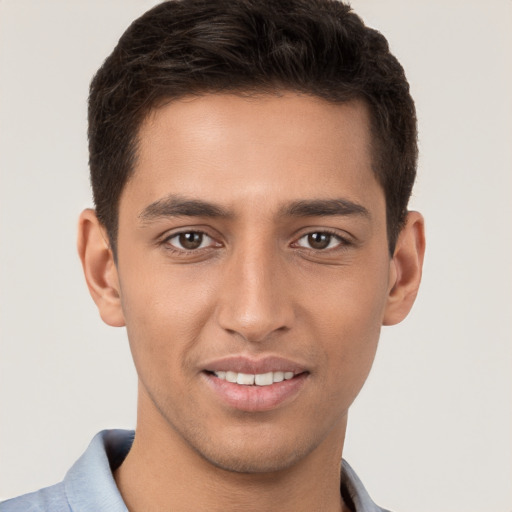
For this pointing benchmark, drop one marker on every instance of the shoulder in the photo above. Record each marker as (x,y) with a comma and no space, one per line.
(49,499)
(88,485)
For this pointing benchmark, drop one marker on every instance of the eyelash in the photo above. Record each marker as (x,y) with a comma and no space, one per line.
(343,242)
(184,252)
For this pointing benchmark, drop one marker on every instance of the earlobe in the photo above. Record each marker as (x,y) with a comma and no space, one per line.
(99,268)
(406,269)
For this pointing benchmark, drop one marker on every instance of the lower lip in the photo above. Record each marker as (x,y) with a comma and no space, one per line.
(256,398)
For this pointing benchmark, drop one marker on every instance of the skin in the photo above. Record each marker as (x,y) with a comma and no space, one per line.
(259,284)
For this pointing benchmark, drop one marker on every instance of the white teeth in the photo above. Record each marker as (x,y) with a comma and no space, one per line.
(230,376)
(278,376)
(245,378)
(264,379)
(259,379)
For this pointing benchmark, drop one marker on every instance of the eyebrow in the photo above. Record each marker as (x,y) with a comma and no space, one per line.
(324,207)
(179,206)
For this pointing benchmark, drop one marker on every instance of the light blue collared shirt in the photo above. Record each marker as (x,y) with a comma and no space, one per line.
(89,485)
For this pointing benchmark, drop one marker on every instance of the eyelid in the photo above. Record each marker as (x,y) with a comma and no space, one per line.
(344,241)
(329,246)
(165,240)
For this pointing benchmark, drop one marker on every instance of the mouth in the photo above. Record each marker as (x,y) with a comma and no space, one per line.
(252,386)
(254,379)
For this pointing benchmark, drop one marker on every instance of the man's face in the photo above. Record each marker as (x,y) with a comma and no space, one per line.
(252,241)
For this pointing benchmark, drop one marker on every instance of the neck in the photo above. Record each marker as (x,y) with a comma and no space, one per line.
(162,472)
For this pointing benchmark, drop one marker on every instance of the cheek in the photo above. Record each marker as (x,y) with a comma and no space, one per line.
(349,302)
(348,318)
(164,311)
(349,351)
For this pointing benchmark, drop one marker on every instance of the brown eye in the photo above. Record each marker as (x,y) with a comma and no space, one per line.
(319,240)
(190,240)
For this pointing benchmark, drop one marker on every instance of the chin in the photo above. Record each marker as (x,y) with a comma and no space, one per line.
(251,454)
(252,464)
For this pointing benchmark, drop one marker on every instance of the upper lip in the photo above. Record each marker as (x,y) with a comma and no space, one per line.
(244,364)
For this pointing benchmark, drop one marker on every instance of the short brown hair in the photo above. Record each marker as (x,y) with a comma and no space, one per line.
(183,47)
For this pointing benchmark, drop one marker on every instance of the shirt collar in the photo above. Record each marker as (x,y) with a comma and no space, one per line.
(352,489)
(90,484)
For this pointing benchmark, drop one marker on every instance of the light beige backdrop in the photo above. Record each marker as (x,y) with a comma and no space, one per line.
(432,429)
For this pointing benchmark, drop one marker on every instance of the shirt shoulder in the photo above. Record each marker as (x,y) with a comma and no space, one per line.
(89,485)
(49,499)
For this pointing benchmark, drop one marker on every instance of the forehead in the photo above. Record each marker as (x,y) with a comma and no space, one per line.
(278,146)
(286,117)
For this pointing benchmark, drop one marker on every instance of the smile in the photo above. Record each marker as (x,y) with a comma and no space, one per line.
(252,397)
(251,379)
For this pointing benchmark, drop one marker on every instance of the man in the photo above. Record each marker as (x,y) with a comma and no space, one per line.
(251,164)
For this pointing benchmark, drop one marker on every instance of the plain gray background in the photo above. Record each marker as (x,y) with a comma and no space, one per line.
(432,428)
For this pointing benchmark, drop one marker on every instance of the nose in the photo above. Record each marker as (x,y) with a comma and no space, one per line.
(255,302)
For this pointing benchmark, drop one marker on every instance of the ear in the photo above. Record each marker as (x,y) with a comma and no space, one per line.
(405,271)
(99,268)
